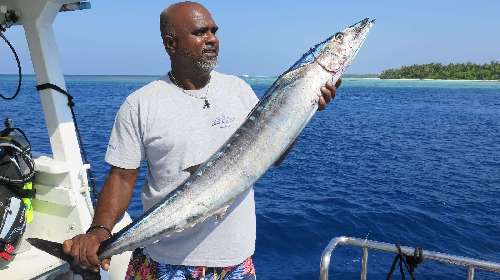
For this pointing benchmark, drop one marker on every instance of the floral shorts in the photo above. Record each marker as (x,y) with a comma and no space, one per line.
(141,267)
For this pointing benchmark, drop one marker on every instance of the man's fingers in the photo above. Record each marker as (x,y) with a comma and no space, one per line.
(92,256)
(105,264)
(333,94)
(326,93)
(321,103)
(329,86)
(83,257)
(338,83)
(333,90)
(75,251)
(67,246)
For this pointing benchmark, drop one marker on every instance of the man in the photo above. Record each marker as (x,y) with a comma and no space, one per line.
(175,124)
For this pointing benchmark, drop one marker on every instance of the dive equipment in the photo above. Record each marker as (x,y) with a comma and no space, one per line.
(17,169)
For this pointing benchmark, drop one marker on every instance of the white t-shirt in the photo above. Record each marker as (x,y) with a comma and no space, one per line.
(173,130)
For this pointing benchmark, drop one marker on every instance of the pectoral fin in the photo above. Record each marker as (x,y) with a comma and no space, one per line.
(192,169)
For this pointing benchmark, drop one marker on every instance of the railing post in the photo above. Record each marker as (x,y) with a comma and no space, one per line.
(364,263)
(470,273)
(327,253)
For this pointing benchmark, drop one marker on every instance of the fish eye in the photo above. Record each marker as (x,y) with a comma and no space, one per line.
(339,36)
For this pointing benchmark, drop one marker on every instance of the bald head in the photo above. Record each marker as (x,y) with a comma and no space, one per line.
(173,16)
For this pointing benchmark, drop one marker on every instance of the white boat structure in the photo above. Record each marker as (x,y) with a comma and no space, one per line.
(62,206)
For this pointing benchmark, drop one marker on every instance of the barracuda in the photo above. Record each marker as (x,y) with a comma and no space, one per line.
(268,131)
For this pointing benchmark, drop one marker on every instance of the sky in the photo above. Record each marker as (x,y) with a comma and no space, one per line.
(266,37)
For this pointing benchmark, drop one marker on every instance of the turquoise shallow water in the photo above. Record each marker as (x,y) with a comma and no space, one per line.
(422,83)
(410,161)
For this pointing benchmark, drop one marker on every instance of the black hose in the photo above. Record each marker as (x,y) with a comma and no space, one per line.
(71,104)
(18,66)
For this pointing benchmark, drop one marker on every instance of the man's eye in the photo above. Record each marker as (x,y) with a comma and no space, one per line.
(200,32)
(205,31)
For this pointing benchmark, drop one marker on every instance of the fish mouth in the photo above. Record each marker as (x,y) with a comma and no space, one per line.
(362,23)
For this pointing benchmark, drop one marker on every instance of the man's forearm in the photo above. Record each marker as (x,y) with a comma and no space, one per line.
(114,197)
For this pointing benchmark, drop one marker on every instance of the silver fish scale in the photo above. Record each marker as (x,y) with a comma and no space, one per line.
(268,131)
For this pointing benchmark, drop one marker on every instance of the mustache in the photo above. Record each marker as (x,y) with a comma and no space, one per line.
(209,49)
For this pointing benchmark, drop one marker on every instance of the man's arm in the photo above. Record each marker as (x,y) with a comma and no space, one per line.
(113,201)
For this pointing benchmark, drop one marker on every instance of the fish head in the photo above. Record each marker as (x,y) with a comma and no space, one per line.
(325,61)
(336,52)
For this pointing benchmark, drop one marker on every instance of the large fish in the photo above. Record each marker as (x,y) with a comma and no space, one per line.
(268,131)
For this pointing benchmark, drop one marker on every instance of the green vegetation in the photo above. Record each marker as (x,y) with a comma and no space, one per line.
(453,71)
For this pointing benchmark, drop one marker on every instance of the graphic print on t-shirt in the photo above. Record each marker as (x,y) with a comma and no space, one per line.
(223,121)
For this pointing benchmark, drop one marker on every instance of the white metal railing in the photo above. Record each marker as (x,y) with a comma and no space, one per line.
(469,263)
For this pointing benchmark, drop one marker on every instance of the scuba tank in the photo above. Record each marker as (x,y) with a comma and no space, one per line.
(17,169)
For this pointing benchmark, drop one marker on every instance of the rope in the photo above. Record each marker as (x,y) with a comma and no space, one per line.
(71,104)
(409,262)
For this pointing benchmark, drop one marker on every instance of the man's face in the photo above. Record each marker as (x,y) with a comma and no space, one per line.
(196,39)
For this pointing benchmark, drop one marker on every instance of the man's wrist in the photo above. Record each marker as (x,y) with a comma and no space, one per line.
(101,231)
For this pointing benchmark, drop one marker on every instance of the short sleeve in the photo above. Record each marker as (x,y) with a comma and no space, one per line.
(125,147)
(249,95)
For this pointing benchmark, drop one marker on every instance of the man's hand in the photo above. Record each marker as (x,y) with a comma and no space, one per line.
(327,94)
(113,201)
(83,248)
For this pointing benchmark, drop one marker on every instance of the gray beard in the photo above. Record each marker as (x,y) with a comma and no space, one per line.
(205,65)
(201,65)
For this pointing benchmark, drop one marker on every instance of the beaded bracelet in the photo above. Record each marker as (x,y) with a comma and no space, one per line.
(99,227)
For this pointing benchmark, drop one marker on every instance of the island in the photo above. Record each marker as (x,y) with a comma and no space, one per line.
(452,71)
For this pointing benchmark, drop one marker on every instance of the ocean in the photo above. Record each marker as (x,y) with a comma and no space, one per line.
(415,162)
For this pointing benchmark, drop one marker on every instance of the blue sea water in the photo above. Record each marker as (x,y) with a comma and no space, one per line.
(411,161)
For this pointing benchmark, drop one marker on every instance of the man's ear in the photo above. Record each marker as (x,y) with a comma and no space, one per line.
(170,44)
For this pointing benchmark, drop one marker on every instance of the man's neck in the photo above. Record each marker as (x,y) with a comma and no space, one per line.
(189,80)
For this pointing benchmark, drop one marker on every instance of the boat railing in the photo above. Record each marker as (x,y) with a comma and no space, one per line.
(469,263)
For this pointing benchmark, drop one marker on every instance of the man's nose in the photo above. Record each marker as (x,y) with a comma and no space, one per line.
(212,38)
